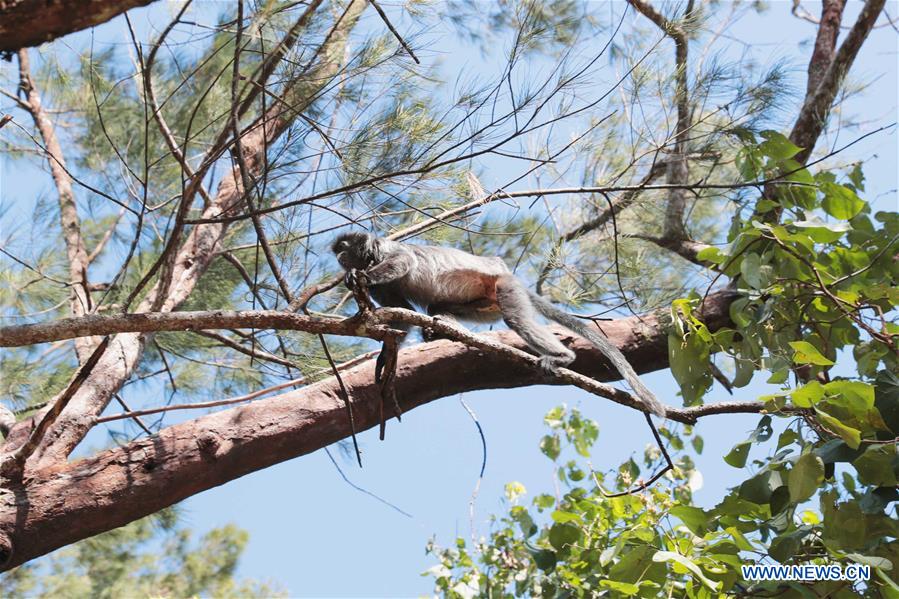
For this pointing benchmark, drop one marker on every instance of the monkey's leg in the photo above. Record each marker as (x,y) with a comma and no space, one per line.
(521,316)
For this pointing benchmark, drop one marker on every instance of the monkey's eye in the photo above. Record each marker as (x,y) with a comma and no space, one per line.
(342,245)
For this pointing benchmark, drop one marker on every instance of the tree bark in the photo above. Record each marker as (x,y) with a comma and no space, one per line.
(26,23)
(63,503)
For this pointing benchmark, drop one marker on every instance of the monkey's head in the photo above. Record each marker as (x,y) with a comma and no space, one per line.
(356,250)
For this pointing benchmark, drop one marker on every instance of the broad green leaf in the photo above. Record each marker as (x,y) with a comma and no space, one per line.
(836,450)
(756,274)
(840,201)
(636,564)
(625,588)
(777,146)
(871,560)
(886,393)
(806,353)
(785,546)
(525,522)
(737,456)
(852,436)
(544,501)
(563,517)
(697,443)
(563,535)
(807,395)
(844,525)
(820,231)
(758,489)
(805,477)
(544,559)
(780,500)
(878,465)
(712,254)
(670,556)
(693,518)
(551,446)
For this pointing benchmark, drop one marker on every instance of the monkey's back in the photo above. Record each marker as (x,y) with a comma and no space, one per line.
(450,275)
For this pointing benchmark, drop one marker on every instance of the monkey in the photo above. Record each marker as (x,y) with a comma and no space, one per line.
(453,284)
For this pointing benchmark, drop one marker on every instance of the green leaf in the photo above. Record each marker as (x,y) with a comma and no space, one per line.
(786,438)
(836,450)
(807,395)
(697,443)
(777,146)
(563,517)
(871,560)
(689,361)
(551,446)
(544,559)
(693,518)
(756,274)
(805,477)
(525,522)
(758,489)
(840,201)
(878,465)
(712,254)
(625,588)
(820,231)
(886,399)
(785,546)
(544,501)
(636,564)
(563,535)
(844,525)
(857,176)
(852,436)
(670,556)
(780,500)
(737,456)
(806,353)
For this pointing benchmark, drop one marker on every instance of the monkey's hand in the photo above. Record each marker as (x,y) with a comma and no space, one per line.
(355,278)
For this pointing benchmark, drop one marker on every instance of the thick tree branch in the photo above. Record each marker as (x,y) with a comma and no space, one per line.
(823,87)
(126,483)
(26,23)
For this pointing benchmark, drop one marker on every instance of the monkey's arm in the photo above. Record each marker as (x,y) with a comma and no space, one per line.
(393,267)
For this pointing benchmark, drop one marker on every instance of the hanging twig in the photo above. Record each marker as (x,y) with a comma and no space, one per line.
(669,465)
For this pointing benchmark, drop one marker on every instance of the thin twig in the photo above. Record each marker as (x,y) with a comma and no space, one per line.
(393,30)
(669,465)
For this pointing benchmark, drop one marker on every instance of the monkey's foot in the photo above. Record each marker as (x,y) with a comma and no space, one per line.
(550,365)
(429,334)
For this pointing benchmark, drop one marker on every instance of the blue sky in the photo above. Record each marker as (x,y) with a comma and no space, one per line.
(317,536)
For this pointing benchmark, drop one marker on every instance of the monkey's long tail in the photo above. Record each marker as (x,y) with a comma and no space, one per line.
(611,352)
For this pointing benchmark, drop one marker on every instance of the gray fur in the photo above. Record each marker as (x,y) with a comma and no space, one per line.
(451,283)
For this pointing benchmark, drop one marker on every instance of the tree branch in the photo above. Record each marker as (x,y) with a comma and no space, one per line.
(76,252)
(26,23)
(812,117)
(120,485)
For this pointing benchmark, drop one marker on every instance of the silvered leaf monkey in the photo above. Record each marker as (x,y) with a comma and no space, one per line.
(451,283)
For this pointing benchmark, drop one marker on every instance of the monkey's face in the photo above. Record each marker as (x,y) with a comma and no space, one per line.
(354,250)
